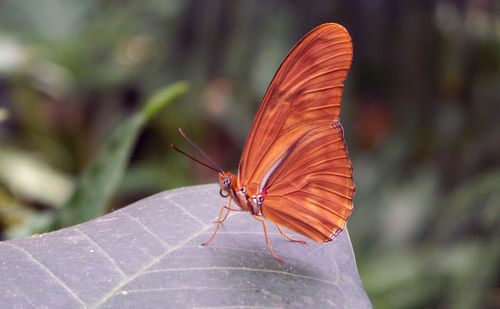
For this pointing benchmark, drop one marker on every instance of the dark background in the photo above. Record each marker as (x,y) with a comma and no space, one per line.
(421,113)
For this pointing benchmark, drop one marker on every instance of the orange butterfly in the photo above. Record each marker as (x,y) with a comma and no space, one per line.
(294,170)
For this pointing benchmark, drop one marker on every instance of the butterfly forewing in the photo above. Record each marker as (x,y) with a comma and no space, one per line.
(295,148)
(306,89)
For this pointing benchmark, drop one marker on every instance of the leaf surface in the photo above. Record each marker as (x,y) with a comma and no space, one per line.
(148,255)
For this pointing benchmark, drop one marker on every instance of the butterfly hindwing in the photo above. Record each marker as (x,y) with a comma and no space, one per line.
(311,191)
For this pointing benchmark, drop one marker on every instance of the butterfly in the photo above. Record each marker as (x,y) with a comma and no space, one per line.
(294,170)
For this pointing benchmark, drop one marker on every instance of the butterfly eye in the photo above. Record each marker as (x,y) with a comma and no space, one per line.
(226,183)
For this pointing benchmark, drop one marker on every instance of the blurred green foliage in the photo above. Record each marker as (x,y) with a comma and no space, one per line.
(96,185)
(421,112)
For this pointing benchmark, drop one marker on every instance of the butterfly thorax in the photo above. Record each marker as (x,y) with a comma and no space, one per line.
(247,202)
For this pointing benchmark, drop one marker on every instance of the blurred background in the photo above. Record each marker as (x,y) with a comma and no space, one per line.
(421,113)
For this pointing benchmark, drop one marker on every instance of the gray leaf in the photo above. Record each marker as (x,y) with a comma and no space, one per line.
(148,255)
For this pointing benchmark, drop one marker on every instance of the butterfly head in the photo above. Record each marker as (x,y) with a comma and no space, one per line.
(226,182)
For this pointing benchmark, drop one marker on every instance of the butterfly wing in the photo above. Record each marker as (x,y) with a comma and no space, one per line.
(295,150)
(311,191)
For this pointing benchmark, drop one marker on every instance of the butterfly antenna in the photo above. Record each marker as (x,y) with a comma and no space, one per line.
(193,158)
(217,168)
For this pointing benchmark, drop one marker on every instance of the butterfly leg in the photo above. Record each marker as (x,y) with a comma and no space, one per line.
(225,217)
(228,207)
(290,238)
(267,239)
(219,221)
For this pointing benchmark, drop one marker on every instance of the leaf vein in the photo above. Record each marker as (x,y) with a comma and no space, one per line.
(49,272)
(279,272)
(167,246)
(101,249)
